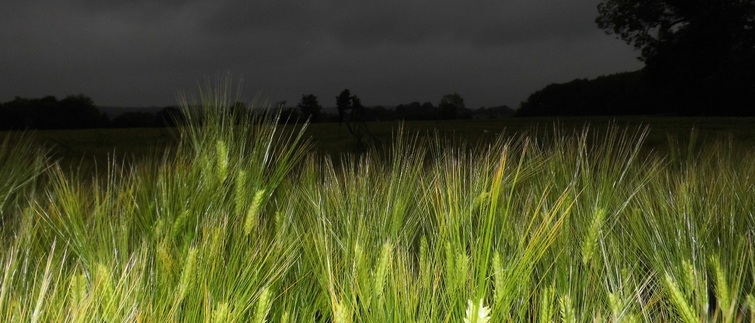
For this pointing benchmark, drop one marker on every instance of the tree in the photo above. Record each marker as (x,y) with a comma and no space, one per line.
(693,50)
(451,105)
(606,95)
(75,111)
(78,111)
(343,102)
(351,113)
(310,107)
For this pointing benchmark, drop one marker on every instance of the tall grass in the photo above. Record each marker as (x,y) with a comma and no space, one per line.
(242,223)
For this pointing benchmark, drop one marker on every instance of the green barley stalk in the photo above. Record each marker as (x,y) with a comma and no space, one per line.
(425,264)
(498,280)
(44,288)
(8,270)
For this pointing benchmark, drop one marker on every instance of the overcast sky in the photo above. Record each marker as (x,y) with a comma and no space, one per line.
(141,52)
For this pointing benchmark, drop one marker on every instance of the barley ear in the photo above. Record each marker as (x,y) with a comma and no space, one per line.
(566,309)
(462,270)
(187,276)
(165,259)
(358,266)
(221,151)
(382,269)
(616,304)
(158,228)
(103,280)
(341,314)
(263,306)
(251,220)
(546,305)
(750,301)
(450,267)
(722,286)
(593,234)
(179,224)
(220,313)
(686,312)
(77,289)
(239,193)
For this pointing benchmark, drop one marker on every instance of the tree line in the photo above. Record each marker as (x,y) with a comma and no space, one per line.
(76,112)
(79,112)
(699,60)
(349,107)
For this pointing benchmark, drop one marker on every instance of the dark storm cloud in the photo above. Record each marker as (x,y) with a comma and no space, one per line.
(482,23)
(485,23)
(389,51)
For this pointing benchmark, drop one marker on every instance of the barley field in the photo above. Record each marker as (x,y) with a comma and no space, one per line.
(243,221)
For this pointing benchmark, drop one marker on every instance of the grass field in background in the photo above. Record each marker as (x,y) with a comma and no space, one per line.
(253,222)
(88,145)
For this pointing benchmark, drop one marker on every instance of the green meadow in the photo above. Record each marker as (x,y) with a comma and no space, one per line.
(233,218)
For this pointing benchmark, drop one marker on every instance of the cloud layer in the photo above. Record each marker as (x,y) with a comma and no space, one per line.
(132,53)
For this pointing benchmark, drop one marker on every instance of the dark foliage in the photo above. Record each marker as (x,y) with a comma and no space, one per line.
(73,112)
(617,94)
(352,113)
(310,108)
(699,55)
(451,106)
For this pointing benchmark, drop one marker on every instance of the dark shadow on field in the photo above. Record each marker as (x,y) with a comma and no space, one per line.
(88,148)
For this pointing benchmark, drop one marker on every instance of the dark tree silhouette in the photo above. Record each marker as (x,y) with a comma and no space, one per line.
(343,102)
(695,52)
(352,113)
(75,111)
(615,94)
(310,108)
(417,111)
(451,105)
